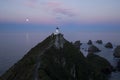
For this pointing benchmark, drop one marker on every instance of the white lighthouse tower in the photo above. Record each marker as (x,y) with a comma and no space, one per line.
(57,31)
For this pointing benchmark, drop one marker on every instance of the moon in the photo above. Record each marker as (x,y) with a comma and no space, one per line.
(27,20)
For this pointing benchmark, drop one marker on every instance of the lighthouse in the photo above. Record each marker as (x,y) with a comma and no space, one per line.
(57,31)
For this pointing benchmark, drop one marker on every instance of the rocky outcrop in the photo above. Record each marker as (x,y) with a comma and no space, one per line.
(77,44)
(64,64)
(27,67)
(109,45)
(93,49)
(89,42)
(55,58)
(117,52)
(99,65)
(118,65)
(50,60)
(99,42)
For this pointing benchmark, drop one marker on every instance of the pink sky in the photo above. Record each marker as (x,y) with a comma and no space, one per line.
(57,11)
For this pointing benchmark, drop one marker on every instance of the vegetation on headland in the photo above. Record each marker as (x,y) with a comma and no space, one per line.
(66,63)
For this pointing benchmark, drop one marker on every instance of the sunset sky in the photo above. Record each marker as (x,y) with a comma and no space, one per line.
(72,16)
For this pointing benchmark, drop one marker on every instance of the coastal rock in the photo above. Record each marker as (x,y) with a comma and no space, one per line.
(55,58)
(118,65)
(93,49)
(117,52)
(50,61)
(89,42)
(77,44)
(100,65)
(99,42)
(109,45)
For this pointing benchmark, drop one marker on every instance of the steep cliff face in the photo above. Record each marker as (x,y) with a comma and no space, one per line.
(26,67)
(55,58)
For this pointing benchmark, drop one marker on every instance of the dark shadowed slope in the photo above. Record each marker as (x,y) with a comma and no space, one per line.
(53,59)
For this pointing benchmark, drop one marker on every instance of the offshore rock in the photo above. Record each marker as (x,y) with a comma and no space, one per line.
(89,42)
(77,44)
(109,45)
(117,52)
(93,49)
(99,41)
(118,65)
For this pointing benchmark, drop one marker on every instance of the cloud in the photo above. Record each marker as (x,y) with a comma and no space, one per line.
(54,7)
(63,11)
(58,8)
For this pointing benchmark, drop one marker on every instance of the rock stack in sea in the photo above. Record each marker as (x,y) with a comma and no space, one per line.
(117,52)
(109,45)
(99,41)
(93,49)
(89,42)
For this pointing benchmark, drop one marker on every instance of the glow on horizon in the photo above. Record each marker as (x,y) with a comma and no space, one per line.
(56,11)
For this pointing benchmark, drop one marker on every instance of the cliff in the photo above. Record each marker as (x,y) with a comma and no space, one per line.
(54,58)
